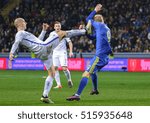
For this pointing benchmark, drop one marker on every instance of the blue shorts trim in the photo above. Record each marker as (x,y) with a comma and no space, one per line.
(97,63)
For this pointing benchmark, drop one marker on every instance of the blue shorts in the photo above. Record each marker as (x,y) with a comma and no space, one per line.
(97,63)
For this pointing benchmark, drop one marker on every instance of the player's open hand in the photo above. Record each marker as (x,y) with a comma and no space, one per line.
(98,7)
(45,26)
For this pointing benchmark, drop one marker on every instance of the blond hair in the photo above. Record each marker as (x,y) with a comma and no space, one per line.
(98,18)
(17,21)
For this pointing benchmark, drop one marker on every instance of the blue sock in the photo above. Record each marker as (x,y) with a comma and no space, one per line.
(82,85)
(94,81)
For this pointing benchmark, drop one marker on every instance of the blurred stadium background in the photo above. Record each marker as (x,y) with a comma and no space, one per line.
(129,21)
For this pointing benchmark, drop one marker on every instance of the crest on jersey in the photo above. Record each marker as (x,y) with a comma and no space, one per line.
(108,36)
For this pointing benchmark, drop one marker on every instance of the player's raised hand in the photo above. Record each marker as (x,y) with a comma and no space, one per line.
(98,7)
(45,26)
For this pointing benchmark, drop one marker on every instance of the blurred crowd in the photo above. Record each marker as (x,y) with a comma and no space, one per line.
(129,21)
(3,3)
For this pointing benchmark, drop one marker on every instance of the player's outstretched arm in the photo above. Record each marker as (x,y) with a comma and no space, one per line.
(14,48)
(70,49)
(42,35)
(92,14)
(18,38)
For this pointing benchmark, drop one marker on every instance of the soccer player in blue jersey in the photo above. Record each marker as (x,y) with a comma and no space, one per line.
(103,49)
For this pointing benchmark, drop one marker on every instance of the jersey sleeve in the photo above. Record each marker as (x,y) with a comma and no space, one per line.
(52,34)
(18,39)
(42,35)
(67,40)
(90,19)
(91,15)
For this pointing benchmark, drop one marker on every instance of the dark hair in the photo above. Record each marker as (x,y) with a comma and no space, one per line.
(57,22)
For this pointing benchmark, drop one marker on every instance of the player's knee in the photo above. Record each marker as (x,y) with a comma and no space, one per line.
(64,68)
(48,78)
(86,74)
(51,73)
(56,68)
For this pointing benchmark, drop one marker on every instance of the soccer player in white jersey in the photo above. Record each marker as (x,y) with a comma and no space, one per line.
(42,50)
(60,57)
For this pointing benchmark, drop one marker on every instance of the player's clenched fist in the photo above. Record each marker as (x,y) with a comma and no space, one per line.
(98,7)
(45,26)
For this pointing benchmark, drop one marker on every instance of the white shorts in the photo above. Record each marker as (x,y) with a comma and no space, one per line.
(48,63)
(46,58)
(60,58)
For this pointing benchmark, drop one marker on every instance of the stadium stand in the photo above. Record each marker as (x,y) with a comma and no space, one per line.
(129,23)
(3,3)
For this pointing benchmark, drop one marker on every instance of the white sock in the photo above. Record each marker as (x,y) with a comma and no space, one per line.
(67,74)
(75,32)
(48,85)
(57,77)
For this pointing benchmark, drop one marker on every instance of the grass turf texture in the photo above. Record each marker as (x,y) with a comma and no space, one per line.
(19,88)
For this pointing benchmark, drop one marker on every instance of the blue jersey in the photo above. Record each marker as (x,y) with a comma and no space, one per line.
(103,36)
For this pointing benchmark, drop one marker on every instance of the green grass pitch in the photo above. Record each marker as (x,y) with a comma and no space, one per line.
(24,88)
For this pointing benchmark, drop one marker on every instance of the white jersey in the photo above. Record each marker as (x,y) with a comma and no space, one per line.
(38,47)
(62,45)
(60,52)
